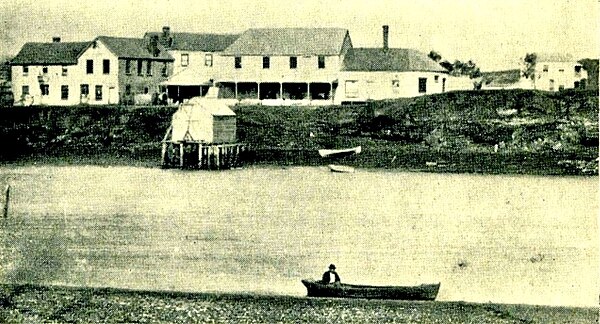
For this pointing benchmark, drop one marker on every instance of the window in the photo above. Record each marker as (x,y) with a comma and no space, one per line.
(436,79)
(25,90)
(64,71)
(106,66)
(164,70)
(98,92)
(128,67)
(238,62)
(45,89)
(85,90)
(561,70)
(208,60)
(551,85)
(396,86)
(128,89)
(45,70)
(140,67)
(89,66)
(146,90)
(185,59)
(578,69)
(561,87)
(576,85)
(266,62)
(25,70)
(64,92)
(293,62)
(321,62)
(545,68)
(351,89)
(422,85)
(148,68)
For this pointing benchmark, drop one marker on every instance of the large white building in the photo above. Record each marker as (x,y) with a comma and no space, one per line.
(554,72)
(107,70)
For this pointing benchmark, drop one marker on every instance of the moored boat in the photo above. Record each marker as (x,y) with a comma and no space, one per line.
(339,152)
(421,292)
(340,168)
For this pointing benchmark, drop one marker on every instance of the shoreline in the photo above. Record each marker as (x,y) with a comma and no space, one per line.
(413,159)
(92,304)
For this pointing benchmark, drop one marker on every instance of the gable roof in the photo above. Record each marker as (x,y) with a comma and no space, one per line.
(391,59)
(501,78)
(554,57)
(50,53)
(289,41)
(195,42)
(133,48)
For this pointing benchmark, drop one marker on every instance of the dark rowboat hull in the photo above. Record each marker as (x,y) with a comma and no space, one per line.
(422,292)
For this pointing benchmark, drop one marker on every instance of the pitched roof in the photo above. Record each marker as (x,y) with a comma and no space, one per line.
(195,42)
(500,78)
(50,53)
(554,57)
(134,48)
(289,41)
(391,59)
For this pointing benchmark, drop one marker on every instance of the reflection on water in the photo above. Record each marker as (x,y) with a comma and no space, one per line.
(512,239)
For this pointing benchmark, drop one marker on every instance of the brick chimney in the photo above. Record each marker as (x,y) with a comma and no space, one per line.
(56,39)
(386,31)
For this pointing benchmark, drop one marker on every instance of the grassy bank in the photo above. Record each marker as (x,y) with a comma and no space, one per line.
(516,131)
(36,304)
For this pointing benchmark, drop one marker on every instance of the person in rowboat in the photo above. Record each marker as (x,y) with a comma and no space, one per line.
(330,276)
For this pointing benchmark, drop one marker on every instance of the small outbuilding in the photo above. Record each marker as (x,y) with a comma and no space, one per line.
(202,135)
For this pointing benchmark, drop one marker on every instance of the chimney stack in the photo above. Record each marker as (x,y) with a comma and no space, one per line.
(386,31)
(55,39)
(166,31)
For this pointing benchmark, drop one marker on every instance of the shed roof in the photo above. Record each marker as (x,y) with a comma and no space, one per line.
(50,53)
(391,59)
(213,107)
(289,41)
(195,42)
(134,48)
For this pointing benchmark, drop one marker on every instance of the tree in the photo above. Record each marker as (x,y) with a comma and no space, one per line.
(457,68)
(530,62)
(591,66)
(435,56)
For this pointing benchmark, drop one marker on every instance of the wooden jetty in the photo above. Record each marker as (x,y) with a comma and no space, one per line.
(202,136)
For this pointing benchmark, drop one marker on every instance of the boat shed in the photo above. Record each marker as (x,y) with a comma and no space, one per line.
(204,121)
(202,135)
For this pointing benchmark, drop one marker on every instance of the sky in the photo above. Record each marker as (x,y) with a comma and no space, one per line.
(495,34)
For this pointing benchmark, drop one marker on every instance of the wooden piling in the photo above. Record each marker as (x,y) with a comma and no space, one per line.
(6,200)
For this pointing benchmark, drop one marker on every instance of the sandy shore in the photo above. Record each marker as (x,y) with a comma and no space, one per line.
(42,304)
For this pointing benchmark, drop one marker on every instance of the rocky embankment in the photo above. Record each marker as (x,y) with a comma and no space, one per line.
(509,131)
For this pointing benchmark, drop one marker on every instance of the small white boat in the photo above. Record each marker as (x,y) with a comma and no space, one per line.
(340,152)
(340,168)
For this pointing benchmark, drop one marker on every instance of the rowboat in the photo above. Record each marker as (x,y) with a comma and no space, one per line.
(421,292)
(340,152)
(340,168)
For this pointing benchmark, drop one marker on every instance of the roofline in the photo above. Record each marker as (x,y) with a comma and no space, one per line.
(131,58)
(397,71)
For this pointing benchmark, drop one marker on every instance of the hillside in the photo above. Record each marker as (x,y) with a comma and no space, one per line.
(508,131)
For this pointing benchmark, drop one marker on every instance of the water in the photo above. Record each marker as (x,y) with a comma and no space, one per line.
(507,239)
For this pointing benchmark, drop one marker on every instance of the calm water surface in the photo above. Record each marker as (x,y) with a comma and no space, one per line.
(509,239)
